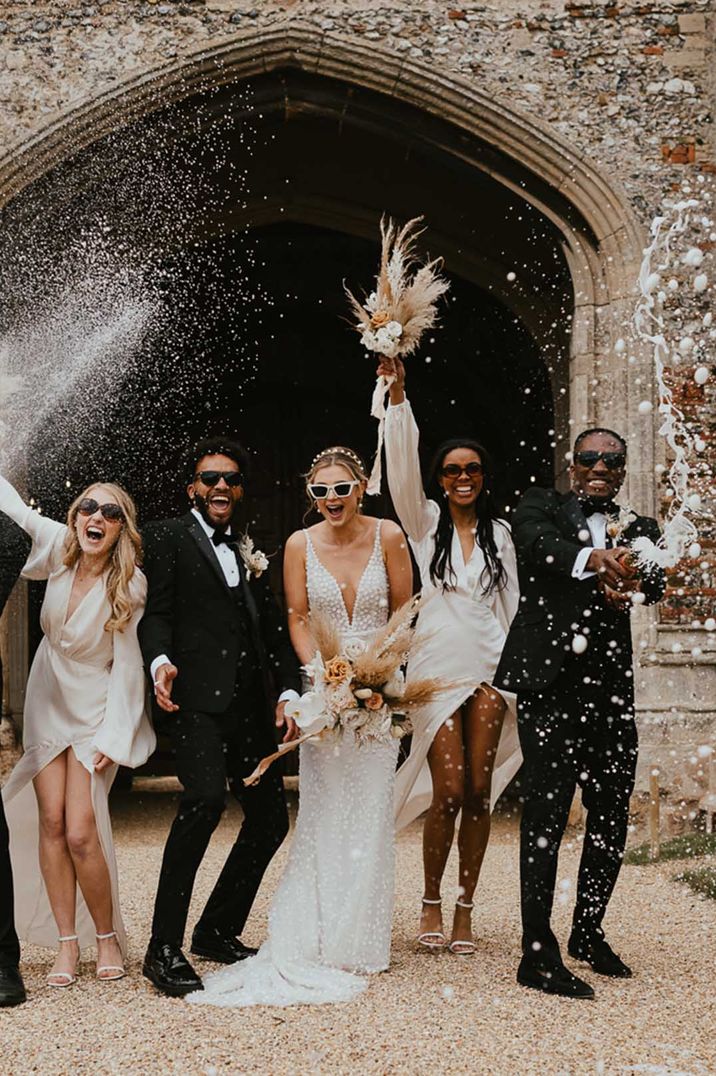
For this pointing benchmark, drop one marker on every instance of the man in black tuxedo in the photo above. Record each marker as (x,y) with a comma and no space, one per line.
(568,655)
(14,548)
(216,645)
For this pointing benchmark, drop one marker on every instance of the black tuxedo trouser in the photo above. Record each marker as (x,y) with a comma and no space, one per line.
(212,749)
(574,733)
(9,945)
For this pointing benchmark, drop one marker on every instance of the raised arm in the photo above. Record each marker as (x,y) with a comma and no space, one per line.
(47,536)
(294,582)
(417,514)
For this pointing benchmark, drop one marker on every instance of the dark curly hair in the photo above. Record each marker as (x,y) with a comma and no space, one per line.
(218,446)
(493,575)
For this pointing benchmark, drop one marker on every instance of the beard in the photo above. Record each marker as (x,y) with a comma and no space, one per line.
(202,507)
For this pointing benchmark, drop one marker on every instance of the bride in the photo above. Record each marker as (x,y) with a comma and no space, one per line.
(330,919)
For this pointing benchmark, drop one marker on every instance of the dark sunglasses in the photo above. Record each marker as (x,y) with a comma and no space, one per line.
(612,460)
(212,478)
(454,470)
(319,491)
(111,512)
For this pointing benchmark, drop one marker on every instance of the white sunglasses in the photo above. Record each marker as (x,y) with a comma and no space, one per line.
(321,492)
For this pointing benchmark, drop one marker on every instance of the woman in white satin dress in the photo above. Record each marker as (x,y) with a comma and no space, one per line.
(465,748)
(331,916)
(84,714)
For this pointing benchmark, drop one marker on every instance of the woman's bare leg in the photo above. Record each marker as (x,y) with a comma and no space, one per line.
(88,857)
(482,725)
(447,769)
(56,864)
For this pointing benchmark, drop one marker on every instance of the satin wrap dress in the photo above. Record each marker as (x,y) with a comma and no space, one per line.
(461,632)
(86,691)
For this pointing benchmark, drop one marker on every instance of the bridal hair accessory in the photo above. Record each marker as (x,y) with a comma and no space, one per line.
(392,319)
(358,687)
(339,450)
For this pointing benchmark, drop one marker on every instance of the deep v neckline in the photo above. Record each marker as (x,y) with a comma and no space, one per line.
(68,618)
(350,617)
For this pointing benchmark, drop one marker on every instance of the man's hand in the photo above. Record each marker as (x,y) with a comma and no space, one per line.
(163,681)
(292,729)
(102,762)
(616,599)
(613,568)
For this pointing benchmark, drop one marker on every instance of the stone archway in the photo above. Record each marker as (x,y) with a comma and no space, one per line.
(602,240)
(296,72)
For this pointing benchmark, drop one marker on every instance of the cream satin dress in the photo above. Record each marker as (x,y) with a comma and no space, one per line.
(463,631)
(86,690)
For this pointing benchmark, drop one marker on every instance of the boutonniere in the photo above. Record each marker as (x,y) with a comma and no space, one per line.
(617,525)
(254,560)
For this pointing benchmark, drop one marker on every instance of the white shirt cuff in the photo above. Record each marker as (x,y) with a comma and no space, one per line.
(161,660)
(289,695)
(580,564)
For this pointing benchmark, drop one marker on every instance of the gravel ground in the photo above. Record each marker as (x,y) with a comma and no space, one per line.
(425,1015)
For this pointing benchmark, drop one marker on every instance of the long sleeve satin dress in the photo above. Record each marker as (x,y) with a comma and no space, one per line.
(86,691)
(463,631)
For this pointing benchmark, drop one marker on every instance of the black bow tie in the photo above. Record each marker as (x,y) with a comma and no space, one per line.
(221,537)
(590,505)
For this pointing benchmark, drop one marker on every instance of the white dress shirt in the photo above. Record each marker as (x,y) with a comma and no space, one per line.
(229,567)
(597,524)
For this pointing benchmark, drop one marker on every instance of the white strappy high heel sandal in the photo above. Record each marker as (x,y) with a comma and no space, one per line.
(467,946)
(432,941)
(109,967)
(68,978)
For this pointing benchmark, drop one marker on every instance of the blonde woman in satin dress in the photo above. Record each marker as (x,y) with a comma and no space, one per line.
(84,715)
(465,747)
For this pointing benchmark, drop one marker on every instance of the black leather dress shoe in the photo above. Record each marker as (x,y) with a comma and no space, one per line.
(552,979)
(223,948)
(601,958)
(12,988)
(169,970)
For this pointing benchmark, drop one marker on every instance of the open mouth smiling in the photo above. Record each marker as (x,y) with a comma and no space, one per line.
(334,510)
(94,534)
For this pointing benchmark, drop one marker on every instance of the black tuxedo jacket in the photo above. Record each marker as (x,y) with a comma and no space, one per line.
(193,617)
(549,530)
(14,548)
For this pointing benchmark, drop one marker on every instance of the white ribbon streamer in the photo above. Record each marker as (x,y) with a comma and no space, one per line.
(377,410)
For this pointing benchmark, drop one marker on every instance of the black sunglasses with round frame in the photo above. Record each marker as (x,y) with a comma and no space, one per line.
(454,470)
(612,460)
(111,512)
(212,478)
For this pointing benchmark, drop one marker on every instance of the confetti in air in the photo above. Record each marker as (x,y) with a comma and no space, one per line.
(661,257)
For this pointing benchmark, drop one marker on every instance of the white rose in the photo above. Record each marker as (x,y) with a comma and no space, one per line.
(394,328)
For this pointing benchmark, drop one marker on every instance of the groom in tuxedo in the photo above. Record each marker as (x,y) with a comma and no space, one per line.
(568,656)
(217,648)
(14,548)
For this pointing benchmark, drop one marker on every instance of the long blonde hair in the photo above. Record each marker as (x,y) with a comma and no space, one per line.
(123,560)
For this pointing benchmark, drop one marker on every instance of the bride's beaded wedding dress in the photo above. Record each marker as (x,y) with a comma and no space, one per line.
(330,919)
